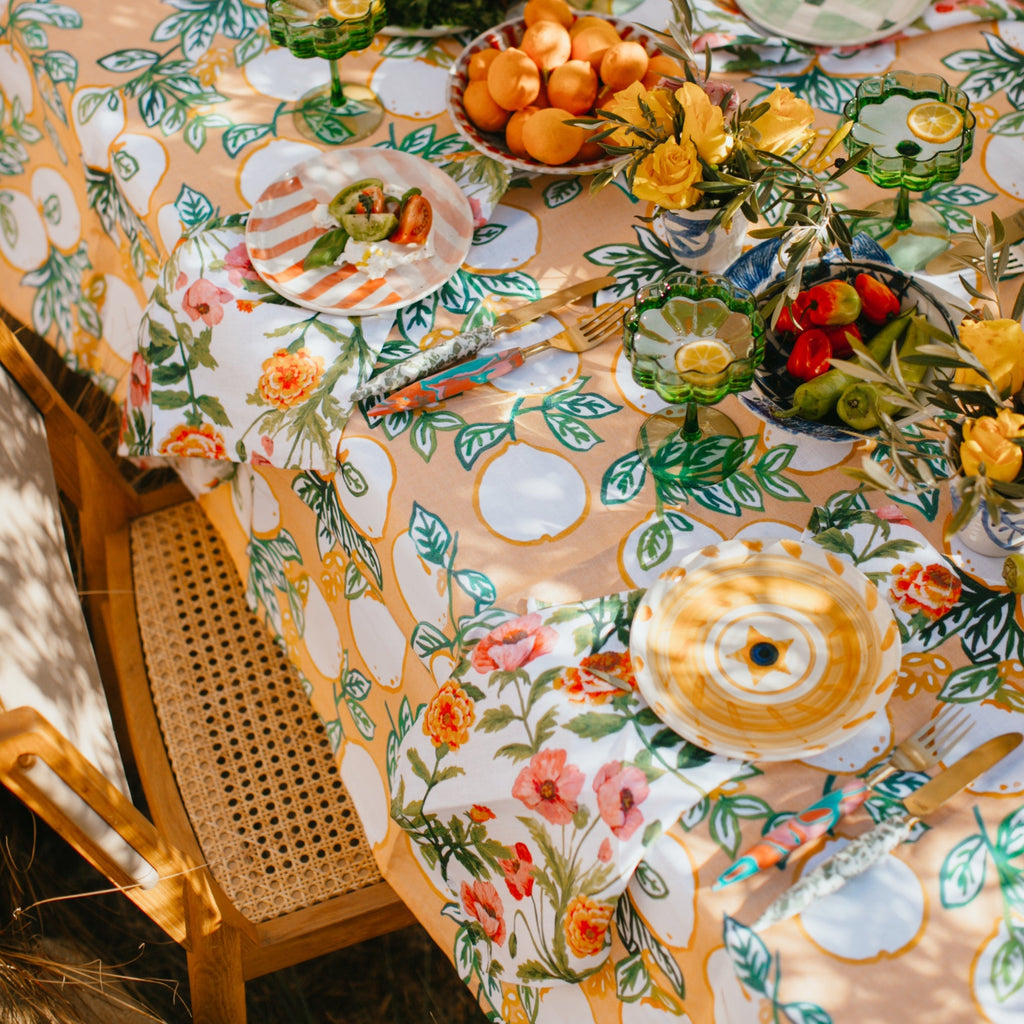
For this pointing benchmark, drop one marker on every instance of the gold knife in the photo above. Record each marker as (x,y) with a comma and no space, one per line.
(864,851)
(463,346)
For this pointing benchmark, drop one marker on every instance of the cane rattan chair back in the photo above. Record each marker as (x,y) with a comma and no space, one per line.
(252,856)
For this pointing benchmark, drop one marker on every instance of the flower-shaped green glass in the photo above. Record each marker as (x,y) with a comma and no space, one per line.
(342,112)
(882,111)
(693,338)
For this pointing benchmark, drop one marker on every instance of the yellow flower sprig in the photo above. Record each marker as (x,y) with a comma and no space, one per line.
(689,143)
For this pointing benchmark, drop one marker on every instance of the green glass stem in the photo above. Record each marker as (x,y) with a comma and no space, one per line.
(691,430)
(902,220)
(337,88)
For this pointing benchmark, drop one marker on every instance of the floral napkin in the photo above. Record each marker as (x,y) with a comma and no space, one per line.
(228,370)
(535,780)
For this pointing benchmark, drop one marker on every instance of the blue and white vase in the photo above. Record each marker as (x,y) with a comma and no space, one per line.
(686,234)
(996,540)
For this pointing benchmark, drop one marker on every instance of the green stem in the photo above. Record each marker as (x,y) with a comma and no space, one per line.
(690,430)
(337,89)
(901,220)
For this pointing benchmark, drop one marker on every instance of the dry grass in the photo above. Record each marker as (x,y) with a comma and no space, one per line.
(72,952)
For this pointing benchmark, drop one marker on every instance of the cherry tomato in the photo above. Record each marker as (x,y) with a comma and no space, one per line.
(414,221)
(370,200)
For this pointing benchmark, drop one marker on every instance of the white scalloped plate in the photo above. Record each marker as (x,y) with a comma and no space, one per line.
(765,651)
(833,22)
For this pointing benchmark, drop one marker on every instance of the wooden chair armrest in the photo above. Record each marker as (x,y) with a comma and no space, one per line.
(52,777)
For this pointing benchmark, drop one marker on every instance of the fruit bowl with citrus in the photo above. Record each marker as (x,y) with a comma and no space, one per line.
(841,305)
(514,90)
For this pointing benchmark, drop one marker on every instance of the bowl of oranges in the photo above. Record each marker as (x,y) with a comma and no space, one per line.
(514,89)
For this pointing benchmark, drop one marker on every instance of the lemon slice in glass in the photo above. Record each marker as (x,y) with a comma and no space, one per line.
(704,356)
(345,9)
(934,121)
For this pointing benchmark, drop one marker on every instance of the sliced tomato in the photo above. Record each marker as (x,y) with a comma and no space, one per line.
(414,221)
(370,200)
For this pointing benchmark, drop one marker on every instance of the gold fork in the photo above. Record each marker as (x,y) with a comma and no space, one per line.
(922,750)
(584,334)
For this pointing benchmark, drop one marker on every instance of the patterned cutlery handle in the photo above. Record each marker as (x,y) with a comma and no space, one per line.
(430,360)
(802,828)
(853,859)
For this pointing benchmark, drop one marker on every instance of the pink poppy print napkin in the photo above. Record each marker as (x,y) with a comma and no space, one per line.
(535,780)
(227,370)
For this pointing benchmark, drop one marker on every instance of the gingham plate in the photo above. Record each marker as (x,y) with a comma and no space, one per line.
(833,22)
(765,650)
(281,231)
(492,144)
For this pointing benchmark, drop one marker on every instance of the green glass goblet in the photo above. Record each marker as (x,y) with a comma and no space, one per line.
(693,338)
(342,112)
(921,131)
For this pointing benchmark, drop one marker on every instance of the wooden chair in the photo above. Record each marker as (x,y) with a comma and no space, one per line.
(253,858)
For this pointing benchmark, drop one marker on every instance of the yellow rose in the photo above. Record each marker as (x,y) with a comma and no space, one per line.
(787,123)
(987,442)
(667,176)
(626,103)
(999,346)
(704,125)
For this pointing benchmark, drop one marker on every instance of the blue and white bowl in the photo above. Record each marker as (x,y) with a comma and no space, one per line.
(772,392)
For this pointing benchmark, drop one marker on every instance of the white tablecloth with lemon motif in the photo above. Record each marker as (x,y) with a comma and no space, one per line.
(381,553)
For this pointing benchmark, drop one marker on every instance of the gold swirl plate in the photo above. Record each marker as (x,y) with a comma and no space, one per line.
(765,650)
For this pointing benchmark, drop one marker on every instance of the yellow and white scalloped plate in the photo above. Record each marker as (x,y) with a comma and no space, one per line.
(280,232)
(765,650)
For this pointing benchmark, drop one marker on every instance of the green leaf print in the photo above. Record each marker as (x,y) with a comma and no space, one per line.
(637,937)
(963,872)
(750,957)
(987,72)
(623,480)
(333,526)
(117,215)
(962,877)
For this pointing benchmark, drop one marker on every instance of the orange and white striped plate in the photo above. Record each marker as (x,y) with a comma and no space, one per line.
(765,650)
(281,231)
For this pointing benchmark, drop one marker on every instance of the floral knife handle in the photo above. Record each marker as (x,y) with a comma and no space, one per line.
(853,859)
(422,364)
(802,828)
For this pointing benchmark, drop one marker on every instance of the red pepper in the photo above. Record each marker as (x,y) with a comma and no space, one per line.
(810,354)
(414,221)
(840,339)
(833,302)
(878,302)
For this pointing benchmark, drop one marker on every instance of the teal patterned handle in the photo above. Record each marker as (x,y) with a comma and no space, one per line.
(853,859)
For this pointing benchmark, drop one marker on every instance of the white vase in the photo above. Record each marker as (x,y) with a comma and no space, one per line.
(686,234)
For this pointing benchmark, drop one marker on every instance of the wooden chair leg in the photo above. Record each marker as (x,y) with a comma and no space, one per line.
(216,981)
